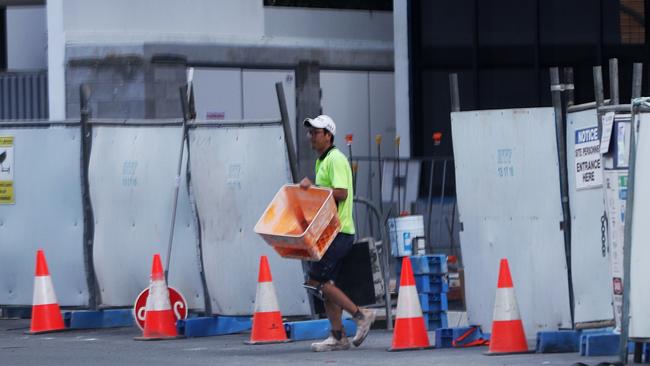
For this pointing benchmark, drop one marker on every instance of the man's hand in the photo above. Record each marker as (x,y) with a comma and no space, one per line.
(305,183)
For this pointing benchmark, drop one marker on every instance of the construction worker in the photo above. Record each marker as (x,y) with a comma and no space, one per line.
(333,171)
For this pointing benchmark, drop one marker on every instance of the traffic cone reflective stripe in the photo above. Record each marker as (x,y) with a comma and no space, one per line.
(46,314)
(160,322)
(268,301)
(410,331)
(507,328)
(267,319)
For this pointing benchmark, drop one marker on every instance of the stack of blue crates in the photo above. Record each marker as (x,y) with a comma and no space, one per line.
(430,272)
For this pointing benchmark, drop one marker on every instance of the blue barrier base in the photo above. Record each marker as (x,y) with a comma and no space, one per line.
(559,341)
(91,319)
(315,329)
(213,326)
(599,344)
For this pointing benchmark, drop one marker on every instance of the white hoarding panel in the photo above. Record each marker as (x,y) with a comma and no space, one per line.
(236,172)
(44,166)
(132,178)
(508,194)
(592,285)
(615,198)
(640,250)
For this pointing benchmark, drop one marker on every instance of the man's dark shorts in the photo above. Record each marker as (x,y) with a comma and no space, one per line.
(327,269)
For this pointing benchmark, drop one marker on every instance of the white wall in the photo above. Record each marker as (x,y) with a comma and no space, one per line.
(128,22)
(26,38)
(118,21)
(326,23)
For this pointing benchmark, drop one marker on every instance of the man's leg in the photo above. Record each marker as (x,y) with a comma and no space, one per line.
(334,315)
(335,301)
(333,294)
(321,278)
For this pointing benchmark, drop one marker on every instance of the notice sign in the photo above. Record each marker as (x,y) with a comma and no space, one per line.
(6,170)
(588,167)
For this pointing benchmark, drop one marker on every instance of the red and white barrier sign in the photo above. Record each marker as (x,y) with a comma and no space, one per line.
(179,306)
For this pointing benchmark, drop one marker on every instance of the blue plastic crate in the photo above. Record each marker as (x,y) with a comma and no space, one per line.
(428,264)
(435,320)
(446,336)
(433,302)
(558,341)
(599,344)
(434,284)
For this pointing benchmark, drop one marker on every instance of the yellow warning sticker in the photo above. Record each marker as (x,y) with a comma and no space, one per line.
(6,141)
(7,170)
(7,192)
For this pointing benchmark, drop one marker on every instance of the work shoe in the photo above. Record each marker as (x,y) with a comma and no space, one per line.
(363,326)
(331,344)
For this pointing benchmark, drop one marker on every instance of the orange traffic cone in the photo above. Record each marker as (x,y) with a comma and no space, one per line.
(159,319)
(507,329)
(410,331)
(46,314)
(267,320)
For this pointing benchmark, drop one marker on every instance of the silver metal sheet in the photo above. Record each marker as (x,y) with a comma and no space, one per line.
(235,174)
(47,214)
(592,284)
(640,250)
(508,195)
(132,179)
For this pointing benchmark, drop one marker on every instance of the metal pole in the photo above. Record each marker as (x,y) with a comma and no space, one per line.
(94,296)
(598,85)
(430,205)
(568,85)
(637,80)
(177,180)
(399,174)
(556,95)
(452,249)
(627,242)
(381,176)
(406,176)
(442,197)
(453,91)
(613,81)
(288,137)
(455,107)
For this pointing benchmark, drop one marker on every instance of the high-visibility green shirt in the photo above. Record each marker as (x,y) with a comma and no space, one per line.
(333,171)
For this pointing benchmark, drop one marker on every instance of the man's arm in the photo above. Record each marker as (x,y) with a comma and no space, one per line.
(305,183)
(339,194)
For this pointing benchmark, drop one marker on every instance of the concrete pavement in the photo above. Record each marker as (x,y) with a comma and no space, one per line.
(117,347)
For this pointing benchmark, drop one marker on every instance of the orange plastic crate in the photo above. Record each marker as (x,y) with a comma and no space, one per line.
(281,225)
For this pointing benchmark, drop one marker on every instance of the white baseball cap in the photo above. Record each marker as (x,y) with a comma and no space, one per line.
(321,121)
